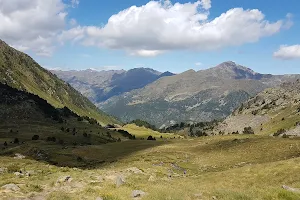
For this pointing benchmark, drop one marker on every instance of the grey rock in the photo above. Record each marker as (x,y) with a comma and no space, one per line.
(296,190)
(138,193)
(3,170)
(119,181)
(19,156)
(64,179)
(214,198)
(18,174)
(99,198)
(11,187)
(152,178)
(135,170)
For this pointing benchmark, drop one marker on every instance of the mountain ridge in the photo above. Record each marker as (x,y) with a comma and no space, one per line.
(193,96)
(20,71)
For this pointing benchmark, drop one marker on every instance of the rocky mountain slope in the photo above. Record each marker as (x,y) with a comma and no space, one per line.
(20,71)
(99,86)
(275,111)
(192,96)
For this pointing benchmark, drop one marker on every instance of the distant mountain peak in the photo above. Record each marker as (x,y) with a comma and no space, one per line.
(231,69)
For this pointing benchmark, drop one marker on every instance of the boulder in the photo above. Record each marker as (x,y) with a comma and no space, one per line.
(99,198)
(138,193)
(64,179)
(19,156)
(11,187)
(119,181)
(152,178)
(3,170)
(134,170)
(295,190)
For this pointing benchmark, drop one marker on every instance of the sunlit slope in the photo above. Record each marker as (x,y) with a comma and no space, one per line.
(20,71)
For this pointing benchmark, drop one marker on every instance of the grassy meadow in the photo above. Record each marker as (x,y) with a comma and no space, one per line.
(219,167)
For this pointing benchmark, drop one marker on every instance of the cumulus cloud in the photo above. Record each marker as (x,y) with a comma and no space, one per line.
(160,26)
(33,24)
(287,52)
(148,30)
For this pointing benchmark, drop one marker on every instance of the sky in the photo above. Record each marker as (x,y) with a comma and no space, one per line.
(166,35)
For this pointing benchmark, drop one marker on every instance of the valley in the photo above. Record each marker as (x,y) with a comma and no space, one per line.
(214,134)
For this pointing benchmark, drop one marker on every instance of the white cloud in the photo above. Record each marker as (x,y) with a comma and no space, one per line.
(198,63)
(287,52)
(32,24)
(146,53)
(149,30)
(160,26)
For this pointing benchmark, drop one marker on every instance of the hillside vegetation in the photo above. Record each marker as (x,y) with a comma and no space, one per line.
(20,71)
(275,111)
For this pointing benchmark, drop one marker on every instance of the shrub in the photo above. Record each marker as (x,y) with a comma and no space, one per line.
(151,138)
(5,144)
(80,119)
(35,137)
(279,132)
(61,142)
(248,130)
(285,136)
(16,141)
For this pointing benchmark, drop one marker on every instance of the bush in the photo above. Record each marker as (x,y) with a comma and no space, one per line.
(285,136)
(85,135)
(35,137)
(248,130)
(5,144)
(16,141)
(151,138)
(279,132)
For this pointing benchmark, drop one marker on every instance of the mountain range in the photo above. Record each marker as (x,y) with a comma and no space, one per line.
(99,86)
(191,96)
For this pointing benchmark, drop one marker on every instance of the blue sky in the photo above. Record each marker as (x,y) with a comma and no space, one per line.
(166,36)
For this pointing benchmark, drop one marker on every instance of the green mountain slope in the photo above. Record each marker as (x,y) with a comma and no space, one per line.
(273,111)
(20,71)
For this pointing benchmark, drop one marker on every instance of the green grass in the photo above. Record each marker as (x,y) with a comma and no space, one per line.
(227,167)
(142,132)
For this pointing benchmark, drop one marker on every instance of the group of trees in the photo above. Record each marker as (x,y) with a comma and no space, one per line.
(127,134)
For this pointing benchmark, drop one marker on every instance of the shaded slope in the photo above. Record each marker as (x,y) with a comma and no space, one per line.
(20,71)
